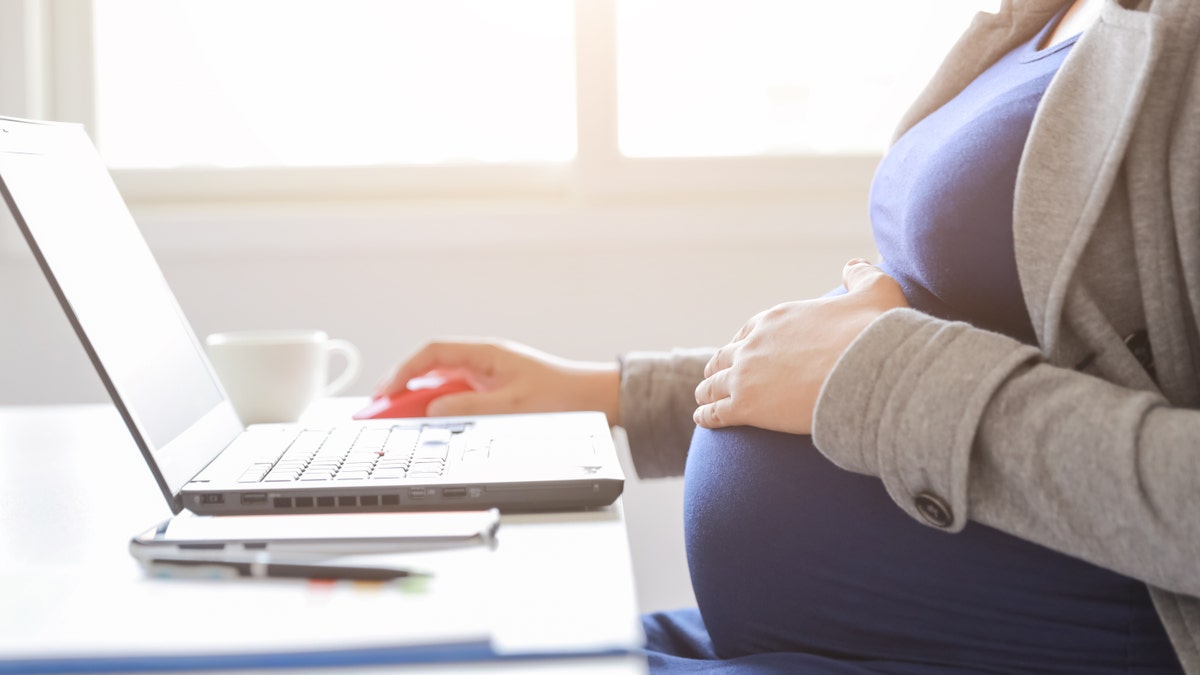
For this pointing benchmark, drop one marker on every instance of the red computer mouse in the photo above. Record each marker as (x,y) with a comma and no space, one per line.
(414,401)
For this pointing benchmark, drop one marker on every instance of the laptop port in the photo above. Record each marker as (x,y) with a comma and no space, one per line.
(212,498)
(254,498)
(282,502)
(304,502)
(454,492)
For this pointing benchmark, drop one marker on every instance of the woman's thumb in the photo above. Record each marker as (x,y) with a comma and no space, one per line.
(859,273)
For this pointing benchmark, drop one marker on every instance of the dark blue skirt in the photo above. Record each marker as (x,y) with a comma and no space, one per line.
(799,566)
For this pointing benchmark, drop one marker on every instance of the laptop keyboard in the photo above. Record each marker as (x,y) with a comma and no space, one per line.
(356,455)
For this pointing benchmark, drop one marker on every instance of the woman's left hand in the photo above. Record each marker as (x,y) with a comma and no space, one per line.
(769,376)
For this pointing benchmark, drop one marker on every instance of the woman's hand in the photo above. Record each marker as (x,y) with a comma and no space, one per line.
(769,376)
(509,378)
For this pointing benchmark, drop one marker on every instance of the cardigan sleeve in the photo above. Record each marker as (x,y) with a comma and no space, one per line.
(961,423)
(658,397)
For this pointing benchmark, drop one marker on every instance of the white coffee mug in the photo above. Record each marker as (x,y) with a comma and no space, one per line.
(274,375)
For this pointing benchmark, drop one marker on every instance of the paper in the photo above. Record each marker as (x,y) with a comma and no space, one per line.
(51,614)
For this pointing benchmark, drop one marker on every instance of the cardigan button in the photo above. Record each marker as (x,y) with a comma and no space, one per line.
(934,509)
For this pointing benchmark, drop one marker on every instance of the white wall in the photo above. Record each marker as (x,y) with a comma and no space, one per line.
(581,282)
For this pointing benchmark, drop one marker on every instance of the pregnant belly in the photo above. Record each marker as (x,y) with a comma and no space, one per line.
(787,552)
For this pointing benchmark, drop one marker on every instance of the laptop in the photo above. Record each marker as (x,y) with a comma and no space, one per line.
(160,379)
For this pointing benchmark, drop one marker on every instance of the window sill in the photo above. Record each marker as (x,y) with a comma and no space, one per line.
(595,180)
(626,203)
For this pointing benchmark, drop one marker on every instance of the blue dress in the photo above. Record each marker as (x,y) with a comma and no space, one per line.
(801,567)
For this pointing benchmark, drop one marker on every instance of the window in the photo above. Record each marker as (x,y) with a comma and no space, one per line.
(486,96)
(754,77)
(240,83)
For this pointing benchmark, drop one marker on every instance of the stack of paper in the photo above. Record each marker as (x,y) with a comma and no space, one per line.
(239,623)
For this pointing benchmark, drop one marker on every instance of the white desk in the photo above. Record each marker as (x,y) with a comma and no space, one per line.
(74,489)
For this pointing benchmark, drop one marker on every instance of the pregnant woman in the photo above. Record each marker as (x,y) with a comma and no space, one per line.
(983,453)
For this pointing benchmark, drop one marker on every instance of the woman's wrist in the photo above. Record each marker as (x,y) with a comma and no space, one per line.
(601,389)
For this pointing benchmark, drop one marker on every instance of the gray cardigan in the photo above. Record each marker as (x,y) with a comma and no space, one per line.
(1077,445)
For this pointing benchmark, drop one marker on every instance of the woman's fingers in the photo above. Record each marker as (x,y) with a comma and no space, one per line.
(714,388)
(472,403)
(714,396)
(440,355)
(721,360)
(716,415)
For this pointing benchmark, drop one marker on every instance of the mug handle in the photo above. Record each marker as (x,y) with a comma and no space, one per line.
(353,363)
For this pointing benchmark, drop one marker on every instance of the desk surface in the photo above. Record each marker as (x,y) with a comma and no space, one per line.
(74,489)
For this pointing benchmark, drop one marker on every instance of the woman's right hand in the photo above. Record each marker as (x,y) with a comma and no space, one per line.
(508,377)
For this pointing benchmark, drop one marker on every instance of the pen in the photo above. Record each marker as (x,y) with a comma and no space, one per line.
(267,568)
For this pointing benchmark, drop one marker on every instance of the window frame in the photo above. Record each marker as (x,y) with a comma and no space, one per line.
(57,82)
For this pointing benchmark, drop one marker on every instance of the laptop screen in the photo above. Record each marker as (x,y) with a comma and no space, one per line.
(111,287)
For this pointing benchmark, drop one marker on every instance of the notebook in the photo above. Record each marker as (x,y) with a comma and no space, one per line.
(160,379)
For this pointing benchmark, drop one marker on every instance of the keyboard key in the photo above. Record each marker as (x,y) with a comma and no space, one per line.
(339,441)
(266,444)
(432,451)
(355,458)
(433,435)
(258,470)
(372,438)
(402,440)
(307,442)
